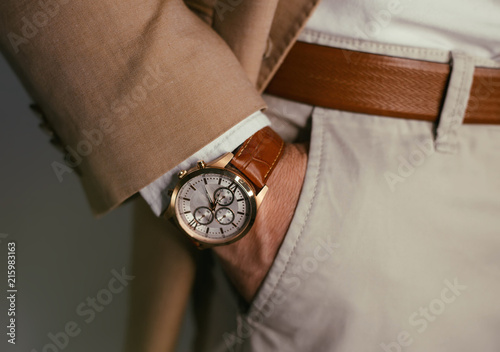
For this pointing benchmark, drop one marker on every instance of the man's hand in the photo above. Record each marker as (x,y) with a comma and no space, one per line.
(247,261)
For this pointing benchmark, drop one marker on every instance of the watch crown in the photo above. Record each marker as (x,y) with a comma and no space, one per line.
(182,173)
(201,164)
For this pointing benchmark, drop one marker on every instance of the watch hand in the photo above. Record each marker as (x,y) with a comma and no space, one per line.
(209,198)
(216,202)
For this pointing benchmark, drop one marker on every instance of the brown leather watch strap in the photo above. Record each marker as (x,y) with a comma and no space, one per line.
(258,155)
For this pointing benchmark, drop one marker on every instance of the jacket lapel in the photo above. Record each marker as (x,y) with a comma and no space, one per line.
(290,18)
(261,32)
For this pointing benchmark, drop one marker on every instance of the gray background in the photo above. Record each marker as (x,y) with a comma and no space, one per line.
(64,255)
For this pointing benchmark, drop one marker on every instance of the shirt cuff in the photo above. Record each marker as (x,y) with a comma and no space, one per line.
(155,193)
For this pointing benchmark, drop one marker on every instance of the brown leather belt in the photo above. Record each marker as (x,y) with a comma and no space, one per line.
(379,85)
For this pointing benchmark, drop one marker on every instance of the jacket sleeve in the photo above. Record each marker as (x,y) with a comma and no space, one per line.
(130,88)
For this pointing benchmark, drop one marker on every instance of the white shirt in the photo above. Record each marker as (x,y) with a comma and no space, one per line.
(469,26)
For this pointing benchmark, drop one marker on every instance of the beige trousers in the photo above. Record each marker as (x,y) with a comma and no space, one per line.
(395,243)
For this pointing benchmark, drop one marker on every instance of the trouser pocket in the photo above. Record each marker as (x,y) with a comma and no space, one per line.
(278,291)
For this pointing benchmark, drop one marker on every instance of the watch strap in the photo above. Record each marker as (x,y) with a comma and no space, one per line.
(257,157)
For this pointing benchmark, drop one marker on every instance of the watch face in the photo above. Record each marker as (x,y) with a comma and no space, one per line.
(215,205)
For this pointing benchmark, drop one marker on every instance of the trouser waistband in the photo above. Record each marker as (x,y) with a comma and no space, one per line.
(386,85)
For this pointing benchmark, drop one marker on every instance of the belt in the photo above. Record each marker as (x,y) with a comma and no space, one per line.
(379,85)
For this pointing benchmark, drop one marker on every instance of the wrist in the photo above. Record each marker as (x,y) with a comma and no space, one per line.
(248,260)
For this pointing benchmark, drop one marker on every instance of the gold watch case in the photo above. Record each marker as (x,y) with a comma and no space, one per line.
(218,166)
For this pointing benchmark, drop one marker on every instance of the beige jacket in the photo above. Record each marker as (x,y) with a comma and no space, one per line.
(131,89)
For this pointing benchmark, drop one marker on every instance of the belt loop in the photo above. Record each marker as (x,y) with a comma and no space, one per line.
(455,103)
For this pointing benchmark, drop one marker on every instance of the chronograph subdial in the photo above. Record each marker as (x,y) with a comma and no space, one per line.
(223,196)
(224,216)
(203,215)
(214,206)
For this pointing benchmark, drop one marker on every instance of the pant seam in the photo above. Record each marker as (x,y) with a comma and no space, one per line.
(301,232)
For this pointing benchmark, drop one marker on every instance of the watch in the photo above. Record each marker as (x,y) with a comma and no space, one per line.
(215,203)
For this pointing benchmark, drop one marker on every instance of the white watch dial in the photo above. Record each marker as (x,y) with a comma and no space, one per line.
(214,205)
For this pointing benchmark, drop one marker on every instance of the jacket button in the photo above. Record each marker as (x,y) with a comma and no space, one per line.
(54,138)
(44,124)
(37,111)
(45,127)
